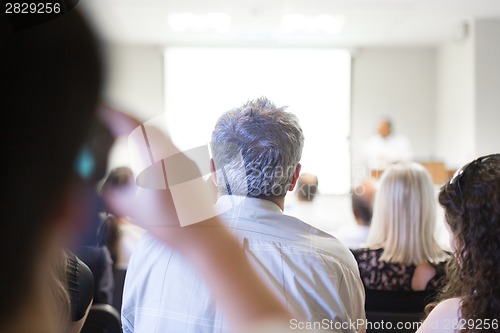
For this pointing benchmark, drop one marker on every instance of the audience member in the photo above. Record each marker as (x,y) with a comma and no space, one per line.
(307,204)
(98,259)
(470,301)
(119,235)
(401,253)
(362,197)
(310,271)
(386,147)
(307,186)
(91,165)
(108,235)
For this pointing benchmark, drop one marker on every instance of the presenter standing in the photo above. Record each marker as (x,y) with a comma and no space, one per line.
(386,148)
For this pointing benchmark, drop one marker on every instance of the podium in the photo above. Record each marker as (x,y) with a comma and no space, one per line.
(439,173)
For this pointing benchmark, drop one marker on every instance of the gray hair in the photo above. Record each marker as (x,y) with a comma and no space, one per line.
(256,149)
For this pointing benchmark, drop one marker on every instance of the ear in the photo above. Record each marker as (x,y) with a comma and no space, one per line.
(295,177)
(212,170)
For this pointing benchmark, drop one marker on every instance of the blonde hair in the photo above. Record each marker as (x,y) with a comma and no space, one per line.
(404,216)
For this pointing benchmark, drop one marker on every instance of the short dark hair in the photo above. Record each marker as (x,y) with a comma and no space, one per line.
(307,187)
(362,206)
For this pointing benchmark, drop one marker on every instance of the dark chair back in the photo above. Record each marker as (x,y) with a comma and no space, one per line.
(102,318)
(119,276)
(398,301)
(386,322)
(399,311)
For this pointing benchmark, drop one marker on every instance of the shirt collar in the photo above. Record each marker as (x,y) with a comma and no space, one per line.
(227,202)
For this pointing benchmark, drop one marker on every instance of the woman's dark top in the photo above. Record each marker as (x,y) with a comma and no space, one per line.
(388,285)
(381,275)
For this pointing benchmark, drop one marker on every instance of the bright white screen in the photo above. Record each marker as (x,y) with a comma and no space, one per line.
(202,83)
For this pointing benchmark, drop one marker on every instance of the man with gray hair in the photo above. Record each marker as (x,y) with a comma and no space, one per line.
(256,151)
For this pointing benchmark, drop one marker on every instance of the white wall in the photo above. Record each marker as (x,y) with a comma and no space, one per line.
(487,89)
(455,117)
(135,78)
(469,95)
(134,83)
(399,83)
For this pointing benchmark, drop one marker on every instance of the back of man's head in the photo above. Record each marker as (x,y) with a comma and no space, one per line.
(307,187)
(256,149)
(362,201)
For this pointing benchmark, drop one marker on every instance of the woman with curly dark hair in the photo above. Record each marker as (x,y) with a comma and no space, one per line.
(470,302)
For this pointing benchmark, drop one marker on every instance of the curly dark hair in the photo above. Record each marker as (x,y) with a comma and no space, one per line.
(471,201)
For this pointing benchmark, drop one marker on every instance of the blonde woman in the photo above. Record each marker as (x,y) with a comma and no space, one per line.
(401,253)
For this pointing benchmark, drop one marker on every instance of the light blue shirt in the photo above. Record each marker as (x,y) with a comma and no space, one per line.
(311,272)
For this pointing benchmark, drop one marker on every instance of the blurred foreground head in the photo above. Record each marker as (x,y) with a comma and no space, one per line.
(256,150)
(52,78)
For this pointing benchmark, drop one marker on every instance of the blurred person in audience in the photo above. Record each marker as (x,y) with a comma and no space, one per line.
(401,253)
(108,236)
(90,250)
(306,204)
(308,270)
(98,259)
(362,197)
(386,147)
(307,187)
(118,234)
(470,301)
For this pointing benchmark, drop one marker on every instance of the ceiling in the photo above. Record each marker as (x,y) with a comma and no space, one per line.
(257,22)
